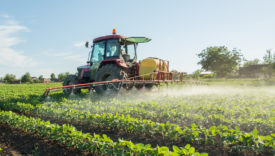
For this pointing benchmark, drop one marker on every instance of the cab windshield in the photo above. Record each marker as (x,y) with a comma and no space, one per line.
(112,49)
(98,52)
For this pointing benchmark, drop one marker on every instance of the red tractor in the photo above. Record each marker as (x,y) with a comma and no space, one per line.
(112,64)
(113,57)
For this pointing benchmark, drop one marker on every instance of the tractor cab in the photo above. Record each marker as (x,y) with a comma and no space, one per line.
(113,48)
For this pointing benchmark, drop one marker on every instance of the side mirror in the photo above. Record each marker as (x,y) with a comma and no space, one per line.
(90,63)
(87,44)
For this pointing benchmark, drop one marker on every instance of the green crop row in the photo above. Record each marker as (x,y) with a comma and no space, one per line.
(185,111)
(69,136)
(216,136)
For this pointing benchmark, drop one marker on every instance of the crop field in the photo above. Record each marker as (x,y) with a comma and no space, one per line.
(179,120)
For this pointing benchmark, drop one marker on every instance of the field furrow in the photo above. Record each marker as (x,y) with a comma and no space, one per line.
(96,144)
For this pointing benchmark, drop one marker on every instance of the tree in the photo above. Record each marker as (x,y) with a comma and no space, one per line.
(67,74)
(26,78)
(62,76)
(269,58)
(196,74)
(40,77)
(219,60)
(53,76)
(9,78)
(251,62)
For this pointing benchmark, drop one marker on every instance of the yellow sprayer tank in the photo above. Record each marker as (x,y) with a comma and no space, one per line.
(151,64)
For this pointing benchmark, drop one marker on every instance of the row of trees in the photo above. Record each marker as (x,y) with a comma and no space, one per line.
(269,58)
(60,77)
(9,78)
(222,61)
(27,78)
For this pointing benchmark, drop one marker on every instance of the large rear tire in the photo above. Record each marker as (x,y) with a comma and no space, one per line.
(71,80)
(109,72)
(149,86)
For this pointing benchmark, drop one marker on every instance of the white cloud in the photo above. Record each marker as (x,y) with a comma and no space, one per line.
(4,16)
(8,55)
(79,44)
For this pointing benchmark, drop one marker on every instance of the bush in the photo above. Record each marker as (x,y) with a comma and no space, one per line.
(27,78)
(9,78)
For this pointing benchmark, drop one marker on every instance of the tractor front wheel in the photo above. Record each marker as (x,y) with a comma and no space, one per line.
(71,80)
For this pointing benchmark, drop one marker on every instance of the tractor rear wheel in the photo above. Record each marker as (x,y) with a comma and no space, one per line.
(71,80)
(149,86)
(109,72)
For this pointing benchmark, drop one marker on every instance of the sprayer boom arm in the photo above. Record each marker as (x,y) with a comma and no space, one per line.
(120,82)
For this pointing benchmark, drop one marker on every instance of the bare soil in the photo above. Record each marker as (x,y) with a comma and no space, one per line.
(16,142)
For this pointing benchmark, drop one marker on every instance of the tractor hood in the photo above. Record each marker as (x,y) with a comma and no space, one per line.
(138,39)
(81,67)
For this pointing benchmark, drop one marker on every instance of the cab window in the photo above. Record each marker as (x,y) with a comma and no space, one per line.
(131,51)
(98,52)
(112,49)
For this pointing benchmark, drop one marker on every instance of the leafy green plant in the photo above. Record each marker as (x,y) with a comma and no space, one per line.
(195,134)
(68,135)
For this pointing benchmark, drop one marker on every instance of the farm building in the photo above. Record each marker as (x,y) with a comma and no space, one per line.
(206,73)
(35,79)
(46,80)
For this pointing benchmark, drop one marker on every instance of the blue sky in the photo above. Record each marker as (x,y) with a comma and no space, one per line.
(43,37)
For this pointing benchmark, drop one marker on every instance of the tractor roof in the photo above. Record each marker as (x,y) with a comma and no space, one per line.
(129,39)
(108,37)
(138,39)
